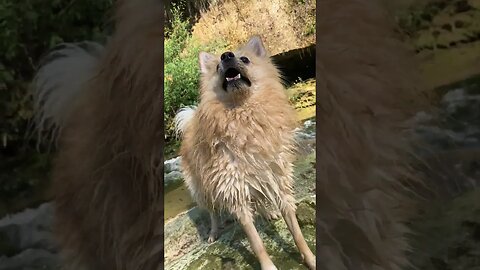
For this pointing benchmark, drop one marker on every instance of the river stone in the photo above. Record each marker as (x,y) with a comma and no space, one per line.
(172,164)
(30,259)
(172,178)
(29,229)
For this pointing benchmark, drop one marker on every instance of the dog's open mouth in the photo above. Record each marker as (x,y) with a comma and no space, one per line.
(232,75)
(234,78)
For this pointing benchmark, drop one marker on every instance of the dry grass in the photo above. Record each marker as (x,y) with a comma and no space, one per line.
(283,24)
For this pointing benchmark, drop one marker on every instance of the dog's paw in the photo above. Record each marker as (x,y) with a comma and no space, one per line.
(212,237)
(311,262)
(269,267)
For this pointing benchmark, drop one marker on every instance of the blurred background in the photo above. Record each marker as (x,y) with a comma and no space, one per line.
(445,35)
(29,29)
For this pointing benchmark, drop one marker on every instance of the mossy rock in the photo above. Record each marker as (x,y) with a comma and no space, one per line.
(447,235)
(425,39)
(447,39)
(441,19)
(303,97)
(232,251)
(463,20)
(185,235)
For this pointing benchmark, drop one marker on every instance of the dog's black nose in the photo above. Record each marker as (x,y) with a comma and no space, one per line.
(227,55)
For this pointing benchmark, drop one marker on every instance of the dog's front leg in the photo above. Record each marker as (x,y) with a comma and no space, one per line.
(288,213)
(213,235)
(246,220)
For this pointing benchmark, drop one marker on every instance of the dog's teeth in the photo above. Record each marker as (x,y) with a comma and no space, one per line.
(234,78)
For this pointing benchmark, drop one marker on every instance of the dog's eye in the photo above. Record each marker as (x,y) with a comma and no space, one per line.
(218,66)
(245,59)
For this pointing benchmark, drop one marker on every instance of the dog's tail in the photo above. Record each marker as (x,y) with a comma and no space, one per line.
(60,79)
(183,119)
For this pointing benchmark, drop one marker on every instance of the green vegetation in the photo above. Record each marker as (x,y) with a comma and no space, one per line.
(28,29)
(181,66)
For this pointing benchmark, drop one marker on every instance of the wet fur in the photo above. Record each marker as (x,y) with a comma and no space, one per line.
(237,148)
(108,170)
(367,91)
(244,138)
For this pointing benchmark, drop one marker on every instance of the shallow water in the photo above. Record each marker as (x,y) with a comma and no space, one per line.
(177,201)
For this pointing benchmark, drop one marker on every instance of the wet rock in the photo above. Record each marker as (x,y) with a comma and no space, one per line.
(307,131)
(26,240)
(455,123)
(172,164)
(305,137)
(172,179)
(172,173)
(208,262)
(30,259)
(445,234)
(306,213)
(186,246)
(185,235)
(29,229)
(309,123)
(300,135)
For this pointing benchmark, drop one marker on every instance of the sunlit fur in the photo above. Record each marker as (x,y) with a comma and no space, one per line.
(237,148)
(107,178)
(367,91)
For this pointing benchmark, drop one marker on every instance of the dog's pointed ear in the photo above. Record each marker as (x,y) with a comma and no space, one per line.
(204,60)
(255,45)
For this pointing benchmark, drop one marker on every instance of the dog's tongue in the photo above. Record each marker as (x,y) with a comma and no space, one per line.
(233,78)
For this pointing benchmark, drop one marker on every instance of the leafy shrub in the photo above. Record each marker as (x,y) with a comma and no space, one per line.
(181,66)
(28,29)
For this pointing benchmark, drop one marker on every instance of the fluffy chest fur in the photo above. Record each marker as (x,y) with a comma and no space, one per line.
(235,155)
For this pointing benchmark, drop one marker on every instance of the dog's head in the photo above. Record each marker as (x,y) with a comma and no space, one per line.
(233,75)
